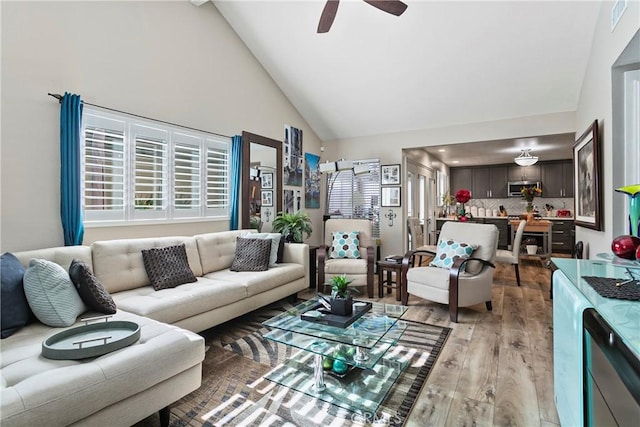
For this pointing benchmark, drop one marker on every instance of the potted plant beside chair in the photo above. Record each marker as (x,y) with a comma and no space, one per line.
(292,225)
(341,300)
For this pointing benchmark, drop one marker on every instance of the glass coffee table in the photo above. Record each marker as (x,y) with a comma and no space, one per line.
(362,347)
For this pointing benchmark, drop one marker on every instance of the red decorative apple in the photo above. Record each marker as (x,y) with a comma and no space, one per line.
(638,253)
(625,246)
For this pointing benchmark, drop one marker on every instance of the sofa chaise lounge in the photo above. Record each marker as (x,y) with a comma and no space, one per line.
(125,386)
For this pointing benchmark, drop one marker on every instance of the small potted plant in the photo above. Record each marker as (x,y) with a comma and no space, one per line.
(292,225)
(341,300)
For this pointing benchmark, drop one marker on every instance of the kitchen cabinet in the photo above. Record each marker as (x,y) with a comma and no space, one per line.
(557,179)
(564,235)
(460,179)
(525,173)
(503,231)
(489,182)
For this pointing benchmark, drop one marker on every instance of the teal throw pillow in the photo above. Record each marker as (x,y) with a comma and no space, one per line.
(345,245)
(51,294)
(449,250)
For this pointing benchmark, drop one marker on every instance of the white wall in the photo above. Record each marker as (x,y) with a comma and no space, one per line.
(596,104)
(389,149)
(166,60)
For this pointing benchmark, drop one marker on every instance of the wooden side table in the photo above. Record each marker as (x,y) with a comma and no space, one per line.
(390,268)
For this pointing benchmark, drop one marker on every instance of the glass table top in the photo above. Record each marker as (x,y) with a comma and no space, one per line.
(378,324)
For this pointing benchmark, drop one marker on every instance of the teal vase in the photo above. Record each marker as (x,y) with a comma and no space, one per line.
(633,191)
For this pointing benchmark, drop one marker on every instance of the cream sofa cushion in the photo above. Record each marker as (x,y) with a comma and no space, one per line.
(119,266)
(256,282)
(39,391)
(174,304)
(217,250)
(345,266)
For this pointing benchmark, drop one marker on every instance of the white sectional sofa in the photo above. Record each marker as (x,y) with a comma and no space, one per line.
(123,387)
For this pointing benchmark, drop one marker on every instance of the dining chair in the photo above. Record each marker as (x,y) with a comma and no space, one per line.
(512,256)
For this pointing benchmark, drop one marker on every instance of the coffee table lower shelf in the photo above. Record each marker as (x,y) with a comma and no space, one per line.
(360,391)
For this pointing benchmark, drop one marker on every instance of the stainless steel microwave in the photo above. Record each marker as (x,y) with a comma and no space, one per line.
(515,187)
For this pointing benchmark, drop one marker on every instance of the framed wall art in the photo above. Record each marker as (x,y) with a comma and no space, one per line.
(267,180)
(587,190)
(390,196)
(267,198)
(390,175)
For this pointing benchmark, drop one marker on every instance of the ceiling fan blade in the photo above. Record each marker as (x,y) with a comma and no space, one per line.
(328,15)
(394,7)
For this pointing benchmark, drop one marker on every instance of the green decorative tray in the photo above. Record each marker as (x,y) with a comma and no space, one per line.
(90,340)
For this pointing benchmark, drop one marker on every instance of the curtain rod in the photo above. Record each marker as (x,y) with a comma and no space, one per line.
(59,98)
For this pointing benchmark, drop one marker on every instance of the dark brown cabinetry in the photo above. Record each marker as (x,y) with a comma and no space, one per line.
(564,235)
(489,182)
(460,179)
(557,179)
(525,173)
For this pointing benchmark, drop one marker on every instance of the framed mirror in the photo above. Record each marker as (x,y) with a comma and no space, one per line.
(261,181)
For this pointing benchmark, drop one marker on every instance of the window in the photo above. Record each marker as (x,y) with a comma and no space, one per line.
(137,170)
(354,196)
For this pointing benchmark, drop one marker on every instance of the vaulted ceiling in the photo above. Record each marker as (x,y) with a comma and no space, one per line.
(440,63)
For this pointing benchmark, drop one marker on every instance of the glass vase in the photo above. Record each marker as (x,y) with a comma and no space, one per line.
(633,191)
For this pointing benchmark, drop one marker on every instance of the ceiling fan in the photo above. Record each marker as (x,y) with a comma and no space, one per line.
(394,7)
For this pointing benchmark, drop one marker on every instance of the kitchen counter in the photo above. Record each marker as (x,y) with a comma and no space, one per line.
(571,296)
(622,315)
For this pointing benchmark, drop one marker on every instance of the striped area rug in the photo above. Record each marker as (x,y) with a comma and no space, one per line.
(234,391)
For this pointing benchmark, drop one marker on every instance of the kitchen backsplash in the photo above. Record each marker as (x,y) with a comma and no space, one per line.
(516,206)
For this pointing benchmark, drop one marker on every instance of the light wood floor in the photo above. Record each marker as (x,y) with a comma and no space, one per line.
(496,367)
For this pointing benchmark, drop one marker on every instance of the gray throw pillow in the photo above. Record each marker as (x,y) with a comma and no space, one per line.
(251,254)
(167,267)
(90,289)
(275,239)
(51,294)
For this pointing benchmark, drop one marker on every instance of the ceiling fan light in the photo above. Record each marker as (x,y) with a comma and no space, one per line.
(525,158)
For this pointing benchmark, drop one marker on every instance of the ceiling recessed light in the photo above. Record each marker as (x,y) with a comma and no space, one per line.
(455,161)
(442,150)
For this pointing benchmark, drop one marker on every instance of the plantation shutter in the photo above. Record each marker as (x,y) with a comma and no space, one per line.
(352,196)
(187,175)
(150,172)
(104,168)
(217,178)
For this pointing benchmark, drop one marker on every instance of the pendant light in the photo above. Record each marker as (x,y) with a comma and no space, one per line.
(525,158)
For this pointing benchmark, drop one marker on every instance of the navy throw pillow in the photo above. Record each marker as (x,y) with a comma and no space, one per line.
(15,310)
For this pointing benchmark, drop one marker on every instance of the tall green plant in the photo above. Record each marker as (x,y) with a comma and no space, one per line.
(292,226)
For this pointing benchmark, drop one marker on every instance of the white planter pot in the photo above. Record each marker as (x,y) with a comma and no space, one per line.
(532,249)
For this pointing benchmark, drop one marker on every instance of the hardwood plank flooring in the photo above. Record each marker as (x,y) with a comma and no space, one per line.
(497,367)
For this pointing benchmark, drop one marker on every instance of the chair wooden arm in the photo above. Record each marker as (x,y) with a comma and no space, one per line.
(370,269)
(454,275)
(321,256)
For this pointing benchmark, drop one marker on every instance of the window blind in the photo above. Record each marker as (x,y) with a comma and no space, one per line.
(352,196)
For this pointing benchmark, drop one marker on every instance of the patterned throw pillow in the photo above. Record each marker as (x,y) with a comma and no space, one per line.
(449,250)
(51,295)
(167,267)
(345,245)
(91,291)
(251,254)
(275,239)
